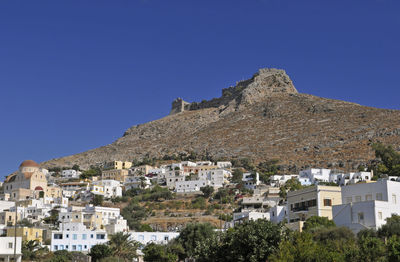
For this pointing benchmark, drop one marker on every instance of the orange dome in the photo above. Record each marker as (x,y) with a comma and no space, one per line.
(29,163)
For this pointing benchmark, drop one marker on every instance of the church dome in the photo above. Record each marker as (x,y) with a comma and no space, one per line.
(29,163)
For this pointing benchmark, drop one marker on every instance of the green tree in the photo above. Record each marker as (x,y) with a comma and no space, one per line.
(32,250)
(158,253)
(100,251)
(316,222)
(371,248)
(291,185)
(76,167)
(193,234)
(97,200)
(393,248)
(207,191)
(237,175)
(253,241)
(392,227)
(122,246)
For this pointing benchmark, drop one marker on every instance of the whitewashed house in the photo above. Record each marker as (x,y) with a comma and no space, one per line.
(367,205)
(190,186)
(217,177)
(137,182)
(280,180)
(224,164)
(251,181)
(153,237)
(70,173)
(7,249)
(76,237)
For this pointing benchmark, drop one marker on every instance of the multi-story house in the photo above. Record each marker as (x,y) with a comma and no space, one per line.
(70,173)
(76,237)
(312,201)
(251,180)
(7,249)
(118,165)
(115,174)
(217,177)
(367,205)
(26,233)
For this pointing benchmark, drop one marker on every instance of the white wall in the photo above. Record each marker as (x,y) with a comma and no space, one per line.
(153,237)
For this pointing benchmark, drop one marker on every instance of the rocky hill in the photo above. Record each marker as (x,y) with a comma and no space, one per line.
(261,118)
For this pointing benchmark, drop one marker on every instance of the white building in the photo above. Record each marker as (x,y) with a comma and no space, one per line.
(217,177)
(314,175)
(173,176)
(280,180)
(153,237)
(367,205)
(190,186)
(116,225)
(76,237)
(225,164)
(107,188)
(7,249)
(351,178)
(70,173)
(241,217)
(137,182)
(278,213)
(251,181)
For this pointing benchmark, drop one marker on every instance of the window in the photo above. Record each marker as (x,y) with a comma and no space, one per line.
(73,247)
(348,200)
(67,236)
(380,215)
(327,202)
(368,197)
(10,245)
(55,247)
(378,196)
(74,236)
(85,246)
(83,236)
(358,199)
(166,238)
(394,200)
(360,217)
(91,235)
(100,236)
(61,247)
(153,237)
(141,237)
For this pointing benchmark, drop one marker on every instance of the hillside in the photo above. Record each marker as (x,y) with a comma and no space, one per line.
(261,118)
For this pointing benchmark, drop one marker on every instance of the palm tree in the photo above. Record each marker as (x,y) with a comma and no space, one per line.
(31,250)
(122,246)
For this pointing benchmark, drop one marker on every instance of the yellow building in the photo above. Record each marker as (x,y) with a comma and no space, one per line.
(8,218)
(89,219)
(27,233)
(115,174)
(313,201)
(197,169)
(53,191)
(118,165)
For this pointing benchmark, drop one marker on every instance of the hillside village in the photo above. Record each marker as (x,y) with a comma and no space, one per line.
(74,210)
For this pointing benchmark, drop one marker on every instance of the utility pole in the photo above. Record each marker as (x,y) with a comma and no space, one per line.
(15,232)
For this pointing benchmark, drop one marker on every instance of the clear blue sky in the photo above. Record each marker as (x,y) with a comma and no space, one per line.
(74,75)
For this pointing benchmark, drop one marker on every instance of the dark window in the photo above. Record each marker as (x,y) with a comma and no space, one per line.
(327,202)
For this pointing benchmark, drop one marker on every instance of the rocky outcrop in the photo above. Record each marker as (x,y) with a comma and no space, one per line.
(261,118)
(265,83)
